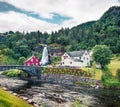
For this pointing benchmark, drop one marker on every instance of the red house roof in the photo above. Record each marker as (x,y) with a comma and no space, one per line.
(32,61)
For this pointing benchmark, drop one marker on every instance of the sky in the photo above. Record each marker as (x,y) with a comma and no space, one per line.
(49,15)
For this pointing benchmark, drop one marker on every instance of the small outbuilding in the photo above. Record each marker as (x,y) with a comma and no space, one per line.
(32,61)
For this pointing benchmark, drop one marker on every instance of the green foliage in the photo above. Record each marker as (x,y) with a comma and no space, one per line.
(77,103)
(118,74)
(102,55)
(56,59)
(69,71)
(3,59)
(14,73)
(110,81)
(21,60)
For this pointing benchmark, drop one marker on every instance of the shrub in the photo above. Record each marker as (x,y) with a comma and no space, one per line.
(14,73)
(110,81)
(69,71)
(77,103)
(118,74)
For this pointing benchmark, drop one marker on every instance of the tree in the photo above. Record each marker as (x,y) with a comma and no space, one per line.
(3,59)
(21,60)
(102,55)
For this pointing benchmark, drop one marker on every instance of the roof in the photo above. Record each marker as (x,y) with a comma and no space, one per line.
(77,60)
(76,53)
(31,58)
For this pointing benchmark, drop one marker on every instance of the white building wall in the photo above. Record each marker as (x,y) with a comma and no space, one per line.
(86,59)
(65,55)
(68,61)
(72,63)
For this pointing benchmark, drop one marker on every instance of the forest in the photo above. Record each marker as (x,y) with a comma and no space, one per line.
(15,47)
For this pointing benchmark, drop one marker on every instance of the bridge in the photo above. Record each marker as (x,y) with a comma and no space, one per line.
(30,70)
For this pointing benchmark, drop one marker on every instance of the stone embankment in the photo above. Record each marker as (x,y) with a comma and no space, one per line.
(71,80)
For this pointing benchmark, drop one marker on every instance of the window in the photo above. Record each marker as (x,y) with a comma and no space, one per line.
(70,62)
(85,53)
(28,64)
(65,57)
(36,60)
(63,63)
(31,60)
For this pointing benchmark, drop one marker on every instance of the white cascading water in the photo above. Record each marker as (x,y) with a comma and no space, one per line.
(45,58)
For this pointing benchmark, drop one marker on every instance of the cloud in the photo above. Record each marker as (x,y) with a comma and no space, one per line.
(52,17)
(21,22)
(69,12)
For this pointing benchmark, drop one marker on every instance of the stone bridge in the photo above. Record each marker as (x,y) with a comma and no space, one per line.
(30,70)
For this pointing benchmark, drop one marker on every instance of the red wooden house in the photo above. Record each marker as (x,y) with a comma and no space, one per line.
(32,61)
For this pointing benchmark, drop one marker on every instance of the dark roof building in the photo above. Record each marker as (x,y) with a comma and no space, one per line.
(76,53)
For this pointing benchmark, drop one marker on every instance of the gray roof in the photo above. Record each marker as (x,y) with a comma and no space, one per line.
(76,53)
(77,60)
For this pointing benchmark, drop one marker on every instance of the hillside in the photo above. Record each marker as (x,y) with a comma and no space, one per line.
(16,46)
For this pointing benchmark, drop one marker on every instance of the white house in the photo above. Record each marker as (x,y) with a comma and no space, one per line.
(76,59)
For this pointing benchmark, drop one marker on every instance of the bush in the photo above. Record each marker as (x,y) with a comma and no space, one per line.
(14,73)
(110,81)
(68,71)
(77,103)
(118,74)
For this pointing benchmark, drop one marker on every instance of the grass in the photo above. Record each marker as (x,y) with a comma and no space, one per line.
(97,73)
(9,100)
(114,65)
(109,77)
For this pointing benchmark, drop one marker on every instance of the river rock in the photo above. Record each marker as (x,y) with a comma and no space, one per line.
(11,83)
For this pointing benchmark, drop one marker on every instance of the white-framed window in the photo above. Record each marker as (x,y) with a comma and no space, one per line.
(31,60)
(28,64)
(36,60)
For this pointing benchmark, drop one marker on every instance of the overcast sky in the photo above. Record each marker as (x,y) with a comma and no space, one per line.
(49,15)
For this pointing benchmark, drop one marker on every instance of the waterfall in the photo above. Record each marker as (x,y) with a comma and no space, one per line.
(45,57)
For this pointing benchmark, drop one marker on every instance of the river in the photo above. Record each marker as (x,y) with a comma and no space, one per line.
(63,95)
(88,96)
(64,90)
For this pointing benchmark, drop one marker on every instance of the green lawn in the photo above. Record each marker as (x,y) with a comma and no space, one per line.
(113,66)
(9,100)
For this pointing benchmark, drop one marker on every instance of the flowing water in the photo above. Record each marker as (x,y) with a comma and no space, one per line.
(45,58)
(100,97)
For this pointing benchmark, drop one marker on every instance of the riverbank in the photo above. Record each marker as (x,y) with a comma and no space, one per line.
(9,100)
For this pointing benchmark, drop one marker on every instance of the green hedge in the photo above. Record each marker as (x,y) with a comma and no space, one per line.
(69,71)
(14,73)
